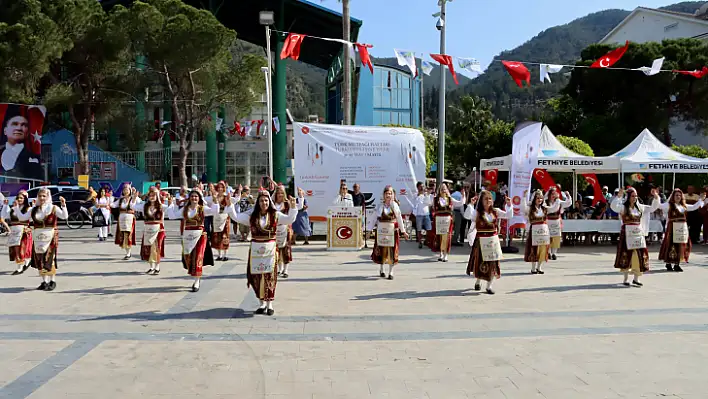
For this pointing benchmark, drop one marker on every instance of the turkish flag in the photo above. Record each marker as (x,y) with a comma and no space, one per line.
(518,72)
(364,55)
(696,74)
(444,59)
(543,177)
(291,47)
(610,58)
(491,177)
(598,197)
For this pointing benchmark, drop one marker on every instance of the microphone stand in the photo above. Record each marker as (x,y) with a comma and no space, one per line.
(366,225)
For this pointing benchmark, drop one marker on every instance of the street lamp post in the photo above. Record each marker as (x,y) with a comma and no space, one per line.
(441,25)
(267,18)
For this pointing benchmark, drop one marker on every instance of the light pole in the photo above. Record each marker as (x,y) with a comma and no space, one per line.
(440,25)
(266,18)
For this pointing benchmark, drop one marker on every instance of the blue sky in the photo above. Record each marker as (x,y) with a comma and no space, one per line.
(475,28)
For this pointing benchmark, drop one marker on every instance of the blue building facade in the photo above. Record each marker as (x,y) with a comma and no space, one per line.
(391,95)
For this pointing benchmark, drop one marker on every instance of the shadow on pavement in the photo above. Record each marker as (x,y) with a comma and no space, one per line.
(416,294)
(217,313)
(566,288)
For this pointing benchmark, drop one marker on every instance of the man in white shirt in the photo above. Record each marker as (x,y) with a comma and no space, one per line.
(459,235)
(421,203)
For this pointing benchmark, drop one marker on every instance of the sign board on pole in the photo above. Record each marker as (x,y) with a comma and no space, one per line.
(84,181)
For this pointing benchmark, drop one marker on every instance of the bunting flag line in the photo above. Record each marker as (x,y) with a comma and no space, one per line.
(291,47)
(363,50)
(546,69)
(518,72)
(696,74)
(276,124)
(471,65)
(655,67)
(406,58)
(446,60)
(426,66)
(610,58)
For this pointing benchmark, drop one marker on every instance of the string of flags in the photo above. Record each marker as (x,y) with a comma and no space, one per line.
(518,70)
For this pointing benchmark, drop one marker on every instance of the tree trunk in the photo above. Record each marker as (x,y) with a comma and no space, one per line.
(81,153)
(347,84)
(183,153)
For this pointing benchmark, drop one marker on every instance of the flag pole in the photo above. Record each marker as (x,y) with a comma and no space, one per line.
(422,97)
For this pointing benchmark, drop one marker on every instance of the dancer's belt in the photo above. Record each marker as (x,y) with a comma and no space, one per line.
(683,220)
(157,222)
(553,217)
(127,211)
(194,227)
(19,223)
(631,224)
(487,233)
(537,223)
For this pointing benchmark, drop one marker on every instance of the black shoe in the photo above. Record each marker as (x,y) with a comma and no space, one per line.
(284,275)
(195,288)
(260,311)
(553,257)
(677,268)
(541,272)
(52,285)
(390,277)
(382,274)
(16,272)
(440,259)
(126,257)
(490,291)
(477,287)
(224,259)
(669,267)
(420,245)
(25,267)
(626,284)
(534,272)
(149,271)
(42,286)
(444,260)
(110,234)
(270,312)
(637,283)
(156,272)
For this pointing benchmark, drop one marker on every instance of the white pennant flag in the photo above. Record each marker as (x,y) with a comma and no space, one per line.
(547,69)
(276,124)
(655,67)
(470,64)
(427,67)
(406,58)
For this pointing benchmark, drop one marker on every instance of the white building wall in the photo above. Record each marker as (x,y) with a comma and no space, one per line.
(649,27)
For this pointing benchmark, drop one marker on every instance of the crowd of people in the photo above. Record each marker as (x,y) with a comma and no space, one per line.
(273,220)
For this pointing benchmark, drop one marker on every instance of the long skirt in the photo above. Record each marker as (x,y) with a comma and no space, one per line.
(386,255)
(263,284)
(155,252)
(442,242)
(634,260)
(555,242)
(671,252)
(22,252)
(285,254)
(125,239)
(200,256)
(220,240)
(535,253)
(481,269)
(46,263)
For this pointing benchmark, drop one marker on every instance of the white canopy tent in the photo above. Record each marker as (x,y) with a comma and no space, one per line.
(647,154)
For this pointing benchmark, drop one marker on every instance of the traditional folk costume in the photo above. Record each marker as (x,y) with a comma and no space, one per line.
(443,225)
(152,247)
(555,225)
(538,238)
(19,240)
(196,249)
(220,236)
(46,241)
(676,244)
(389,225)
(101,217)
(302,227)
(284,236)
(632,253)
(125,231)
(486,247)
(263,263)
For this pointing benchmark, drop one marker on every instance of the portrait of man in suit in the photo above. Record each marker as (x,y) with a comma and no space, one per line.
(17,158)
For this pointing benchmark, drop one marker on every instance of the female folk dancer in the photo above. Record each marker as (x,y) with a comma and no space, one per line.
(388,227)
(539,236)
(632,253)
(554,218)
(196,251)
(442,207)
(262,268)
(152,247)
(102,203)
(220,235)
(676,244)
(44,218)
(486,247)
(285,232)
(125,232)
(19,240)
(302,227)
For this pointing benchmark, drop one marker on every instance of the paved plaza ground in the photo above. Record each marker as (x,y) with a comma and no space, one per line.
(110,331)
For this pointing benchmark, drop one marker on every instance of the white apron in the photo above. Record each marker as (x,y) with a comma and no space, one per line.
(14,238)
(491,248)
(680,232)
(43,239)
(442,224)
(635,237)
(262,257)
(150,232)
(540,235)
(281,235)
(554,227)
(190,238)
(385,234)
(125,222)
(220,220)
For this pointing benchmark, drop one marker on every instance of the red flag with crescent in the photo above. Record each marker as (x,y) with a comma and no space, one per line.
(491,177)
(518,72)
(544,178)
(610,58)
(591,178)
(291,47)
(446,60)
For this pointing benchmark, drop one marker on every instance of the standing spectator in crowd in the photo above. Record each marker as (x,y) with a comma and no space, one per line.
(693,219)
(421,202)
(704,214)
(606,193)
(458,237)
(245,205)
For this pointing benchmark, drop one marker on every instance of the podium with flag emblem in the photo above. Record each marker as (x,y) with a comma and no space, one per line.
(344,228)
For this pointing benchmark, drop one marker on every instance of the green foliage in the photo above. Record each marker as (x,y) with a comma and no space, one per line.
(576,145)
(608,109)
(683,180)
(431,146)
(691,150)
